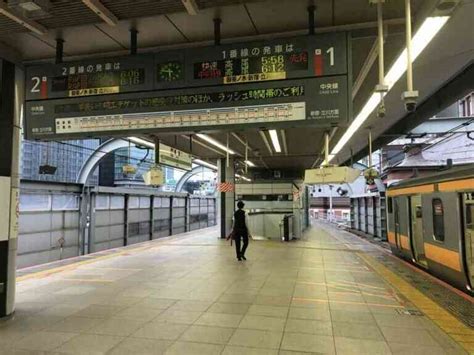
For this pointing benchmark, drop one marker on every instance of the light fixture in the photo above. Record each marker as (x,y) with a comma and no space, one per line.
(243,177)
(215,143)
(249,163)
(205,163)
(142,142)
(276,143)
(428,30)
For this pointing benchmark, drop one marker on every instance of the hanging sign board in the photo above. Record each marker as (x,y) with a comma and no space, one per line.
(154,177)
(277,102)
(90,78)
(300,78)
(331,175)
(175,158)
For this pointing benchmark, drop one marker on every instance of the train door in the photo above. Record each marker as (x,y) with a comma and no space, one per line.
(468,204)
(416,230)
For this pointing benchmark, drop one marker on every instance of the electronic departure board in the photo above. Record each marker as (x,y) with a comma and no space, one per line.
(306,77)
(321,101)
(90,78)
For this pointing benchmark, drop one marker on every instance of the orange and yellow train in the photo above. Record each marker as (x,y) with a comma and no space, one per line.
(430,221)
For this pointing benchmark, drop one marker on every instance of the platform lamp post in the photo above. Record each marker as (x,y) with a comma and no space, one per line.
(381,87)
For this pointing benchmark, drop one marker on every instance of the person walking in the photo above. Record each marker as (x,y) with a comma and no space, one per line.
(240,231)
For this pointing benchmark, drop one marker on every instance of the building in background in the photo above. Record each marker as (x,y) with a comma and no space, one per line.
(66,157)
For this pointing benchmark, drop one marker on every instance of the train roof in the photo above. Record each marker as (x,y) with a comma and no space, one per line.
(455,173)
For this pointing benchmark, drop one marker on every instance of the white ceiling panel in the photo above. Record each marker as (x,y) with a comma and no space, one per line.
(85,40)
(30,46)
(235,23)
(282,16)
(153,31)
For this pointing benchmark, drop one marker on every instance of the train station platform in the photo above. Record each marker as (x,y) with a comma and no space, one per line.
(331,292)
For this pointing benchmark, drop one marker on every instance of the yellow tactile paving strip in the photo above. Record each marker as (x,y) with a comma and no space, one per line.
(74,266)
(462,334)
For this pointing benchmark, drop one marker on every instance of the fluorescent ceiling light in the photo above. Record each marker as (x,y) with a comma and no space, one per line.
(243,177)
(428,30)
(249,163)
(142,142)
(276,143)
(215,143)
(205,163)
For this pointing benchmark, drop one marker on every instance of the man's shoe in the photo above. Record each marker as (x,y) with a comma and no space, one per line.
(243,257)
(239,259)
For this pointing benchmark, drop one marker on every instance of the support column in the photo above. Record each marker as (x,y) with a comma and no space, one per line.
(11,98)
(226,176)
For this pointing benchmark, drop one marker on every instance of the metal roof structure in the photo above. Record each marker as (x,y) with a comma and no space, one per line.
(164,24)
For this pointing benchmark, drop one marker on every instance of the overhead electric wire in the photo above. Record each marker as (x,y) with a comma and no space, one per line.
(451,132)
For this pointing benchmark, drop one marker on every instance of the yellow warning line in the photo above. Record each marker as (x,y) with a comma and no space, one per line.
(74,266)
(320,300)
(88,280)
(457,330)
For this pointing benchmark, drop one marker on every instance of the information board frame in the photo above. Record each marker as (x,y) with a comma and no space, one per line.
(323,107)
(327,57)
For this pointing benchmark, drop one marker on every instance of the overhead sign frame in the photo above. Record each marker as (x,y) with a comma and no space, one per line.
(100,90)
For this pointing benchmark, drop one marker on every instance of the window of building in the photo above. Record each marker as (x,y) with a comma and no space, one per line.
(438,219)
(390,205)
(466,106)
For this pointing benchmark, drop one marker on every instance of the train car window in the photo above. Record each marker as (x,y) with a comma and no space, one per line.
(438,219)
(390,205)
(469,198)
(418,211)
(397,212)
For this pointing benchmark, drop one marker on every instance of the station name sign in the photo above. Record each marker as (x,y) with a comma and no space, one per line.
(313,70)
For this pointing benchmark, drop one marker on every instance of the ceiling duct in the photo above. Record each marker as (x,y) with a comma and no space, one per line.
(445,7)
(31,8)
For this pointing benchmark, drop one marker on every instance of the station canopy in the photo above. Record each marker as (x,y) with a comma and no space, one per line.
(268,73)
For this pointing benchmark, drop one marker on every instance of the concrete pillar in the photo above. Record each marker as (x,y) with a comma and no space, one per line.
(226,200)
(11,101)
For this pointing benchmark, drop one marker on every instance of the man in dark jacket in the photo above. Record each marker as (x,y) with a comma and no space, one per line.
(240,231)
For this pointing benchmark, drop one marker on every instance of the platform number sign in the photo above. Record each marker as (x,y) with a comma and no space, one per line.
(319,60)
(39,84)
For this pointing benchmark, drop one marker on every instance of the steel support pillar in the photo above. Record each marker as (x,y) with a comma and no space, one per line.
(11,98)
(226,179)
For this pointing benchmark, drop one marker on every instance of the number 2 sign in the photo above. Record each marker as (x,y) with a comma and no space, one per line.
(40,85)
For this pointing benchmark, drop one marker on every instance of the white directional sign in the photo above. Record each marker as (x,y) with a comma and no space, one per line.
(331,175)
(174,157)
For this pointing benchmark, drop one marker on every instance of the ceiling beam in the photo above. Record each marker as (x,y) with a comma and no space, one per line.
(458,86)
(24,21)
(203,145)
(101,11)
(191,7)
(265,36)
(283,139)
(265,140)
(368,63)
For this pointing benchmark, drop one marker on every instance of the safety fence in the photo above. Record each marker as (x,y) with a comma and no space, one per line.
(368,215)
(59,221)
